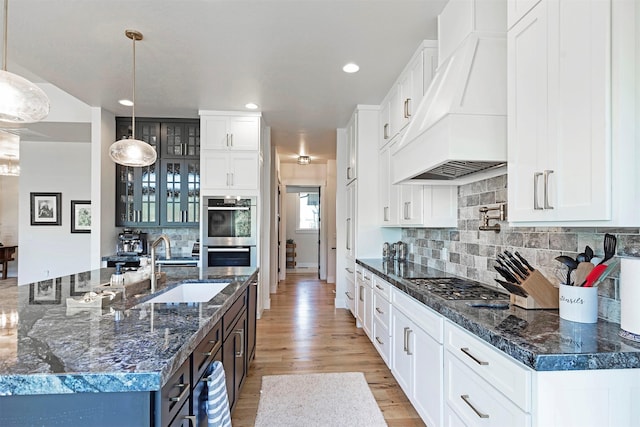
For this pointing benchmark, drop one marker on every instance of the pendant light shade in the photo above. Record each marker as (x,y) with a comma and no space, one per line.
(131,151)
(20,100)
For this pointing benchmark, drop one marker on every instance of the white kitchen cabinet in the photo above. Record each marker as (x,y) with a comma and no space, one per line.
(389,198)
(417,355)
(411,205)
(516,9)
(350,292)
(364,300)
(221,131)
(384,123)
(352,148)
(559,113)
(350,225)
(230,170)
(381,313)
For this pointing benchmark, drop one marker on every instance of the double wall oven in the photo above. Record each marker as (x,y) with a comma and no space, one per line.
(229,231)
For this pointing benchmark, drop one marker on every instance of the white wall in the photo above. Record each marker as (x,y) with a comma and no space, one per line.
(9,217)
(52,251)
(306,242)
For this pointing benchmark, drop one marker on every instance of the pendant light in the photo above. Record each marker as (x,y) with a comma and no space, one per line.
(131,151)
(20,100)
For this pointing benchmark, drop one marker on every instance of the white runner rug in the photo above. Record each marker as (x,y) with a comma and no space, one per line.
(327,400)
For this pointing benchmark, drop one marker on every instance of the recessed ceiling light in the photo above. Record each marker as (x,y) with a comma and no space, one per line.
(126,102)
(351,68)
(251,106)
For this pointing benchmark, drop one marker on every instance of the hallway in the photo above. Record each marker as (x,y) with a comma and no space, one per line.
(304,333)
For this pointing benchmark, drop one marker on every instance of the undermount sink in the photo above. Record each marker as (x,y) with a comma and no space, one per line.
(190,292)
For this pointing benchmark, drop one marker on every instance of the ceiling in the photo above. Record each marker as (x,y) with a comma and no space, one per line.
(285,56)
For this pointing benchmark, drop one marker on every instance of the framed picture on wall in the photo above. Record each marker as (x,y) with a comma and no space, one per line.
(81,216)
(45,209)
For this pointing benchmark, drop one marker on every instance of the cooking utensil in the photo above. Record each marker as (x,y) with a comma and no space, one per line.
(610,243)
(517,264)
(571,264)
(524,261)
(593,275)
(582,257)
(588,252)
(504,262)
(583,270)
(610,268)
(504,273)
(512,288)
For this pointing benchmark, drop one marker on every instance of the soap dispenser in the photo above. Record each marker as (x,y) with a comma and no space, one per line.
(117,278)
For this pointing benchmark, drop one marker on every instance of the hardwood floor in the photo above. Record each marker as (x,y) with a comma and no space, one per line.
(304,333)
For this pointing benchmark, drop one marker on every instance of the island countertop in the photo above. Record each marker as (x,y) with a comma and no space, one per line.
(539,339)
(49,348)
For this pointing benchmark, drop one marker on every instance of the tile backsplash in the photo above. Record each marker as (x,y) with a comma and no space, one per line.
(468,252)
(182,239)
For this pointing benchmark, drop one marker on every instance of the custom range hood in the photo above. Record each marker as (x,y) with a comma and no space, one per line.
(460,127)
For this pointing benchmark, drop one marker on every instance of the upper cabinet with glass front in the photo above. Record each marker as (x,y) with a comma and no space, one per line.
(166,193)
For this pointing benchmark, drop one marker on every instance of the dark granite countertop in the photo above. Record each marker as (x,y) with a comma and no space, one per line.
(539,339)
(49,348)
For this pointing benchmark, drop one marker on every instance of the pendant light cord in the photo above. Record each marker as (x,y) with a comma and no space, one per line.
(4,36)
(133,107)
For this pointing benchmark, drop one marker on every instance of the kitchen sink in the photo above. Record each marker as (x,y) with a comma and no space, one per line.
(190,292)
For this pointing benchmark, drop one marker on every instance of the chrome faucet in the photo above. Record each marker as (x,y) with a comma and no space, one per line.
(167,252)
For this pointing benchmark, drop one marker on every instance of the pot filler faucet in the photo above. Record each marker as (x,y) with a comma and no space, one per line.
(167,252)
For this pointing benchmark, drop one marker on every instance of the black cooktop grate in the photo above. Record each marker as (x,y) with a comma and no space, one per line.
(453,288)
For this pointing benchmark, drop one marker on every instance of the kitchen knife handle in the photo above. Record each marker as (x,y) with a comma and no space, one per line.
(524,261)
(517,263)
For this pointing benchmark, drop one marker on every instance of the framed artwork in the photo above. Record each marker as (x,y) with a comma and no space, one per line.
(45,209)
(81,216)
(46,292)
(80,283)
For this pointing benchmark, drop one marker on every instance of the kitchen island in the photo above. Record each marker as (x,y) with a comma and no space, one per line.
(107,366)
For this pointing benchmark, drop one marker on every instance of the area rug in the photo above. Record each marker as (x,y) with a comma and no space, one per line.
(327,400)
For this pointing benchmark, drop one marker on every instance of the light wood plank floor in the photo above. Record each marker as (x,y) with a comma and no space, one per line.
(304,333)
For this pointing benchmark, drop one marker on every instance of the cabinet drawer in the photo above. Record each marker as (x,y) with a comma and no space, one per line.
(381,310)
(474,401)
(205,352)
(175,392)
(499,370)
(183,418)
(382,287)
(425,318)
(382,340)
(229,317)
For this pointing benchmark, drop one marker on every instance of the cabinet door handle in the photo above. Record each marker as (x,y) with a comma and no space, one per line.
(191,419)
(210,352)
(361,293)
(232,184)
(348,234)
(348,172)
(407,331)
(231,139)
(182,395)
(546,189)
(379,311)
(385,214)
(536,206)
(385,131)
(379,341)
(227,140)
(465,397)
(240,332)
(407,114)
(466,351)
(407,210)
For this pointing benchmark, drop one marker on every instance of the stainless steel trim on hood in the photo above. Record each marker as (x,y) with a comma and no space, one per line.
(460,127)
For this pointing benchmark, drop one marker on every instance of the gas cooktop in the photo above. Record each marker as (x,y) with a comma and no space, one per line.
(453,288)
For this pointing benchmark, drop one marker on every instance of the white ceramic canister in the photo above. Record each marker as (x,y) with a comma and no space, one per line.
(579,304)
(630,295)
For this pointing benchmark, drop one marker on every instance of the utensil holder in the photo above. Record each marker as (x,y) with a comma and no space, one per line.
(541,293)
(579,303)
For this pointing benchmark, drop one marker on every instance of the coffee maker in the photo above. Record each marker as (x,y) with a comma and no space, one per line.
(131,243)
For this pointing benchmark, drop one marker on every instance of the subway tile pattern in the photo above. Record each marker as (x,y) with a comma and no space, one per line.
(469,252)
(182,239)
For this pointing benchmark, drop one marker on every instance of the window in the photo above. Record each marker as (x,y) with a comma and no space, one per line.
(308,211)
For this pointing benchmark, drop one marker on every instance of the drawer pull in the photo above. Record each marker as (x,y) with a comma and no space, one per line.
(185,390)
(191,418)
(379,287)
(379,341)
(240,333)
(407,331)
(466,351)
(379,311)
(210,352)
(349,270)
(349,296)
(366,278)
(465,397)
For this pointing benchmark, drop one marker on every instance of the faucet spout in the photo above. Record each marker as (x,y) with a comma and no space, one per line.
(167,251)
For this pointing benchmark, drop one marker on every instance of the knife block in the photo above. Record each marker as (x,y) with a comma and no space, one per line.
(541,293)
